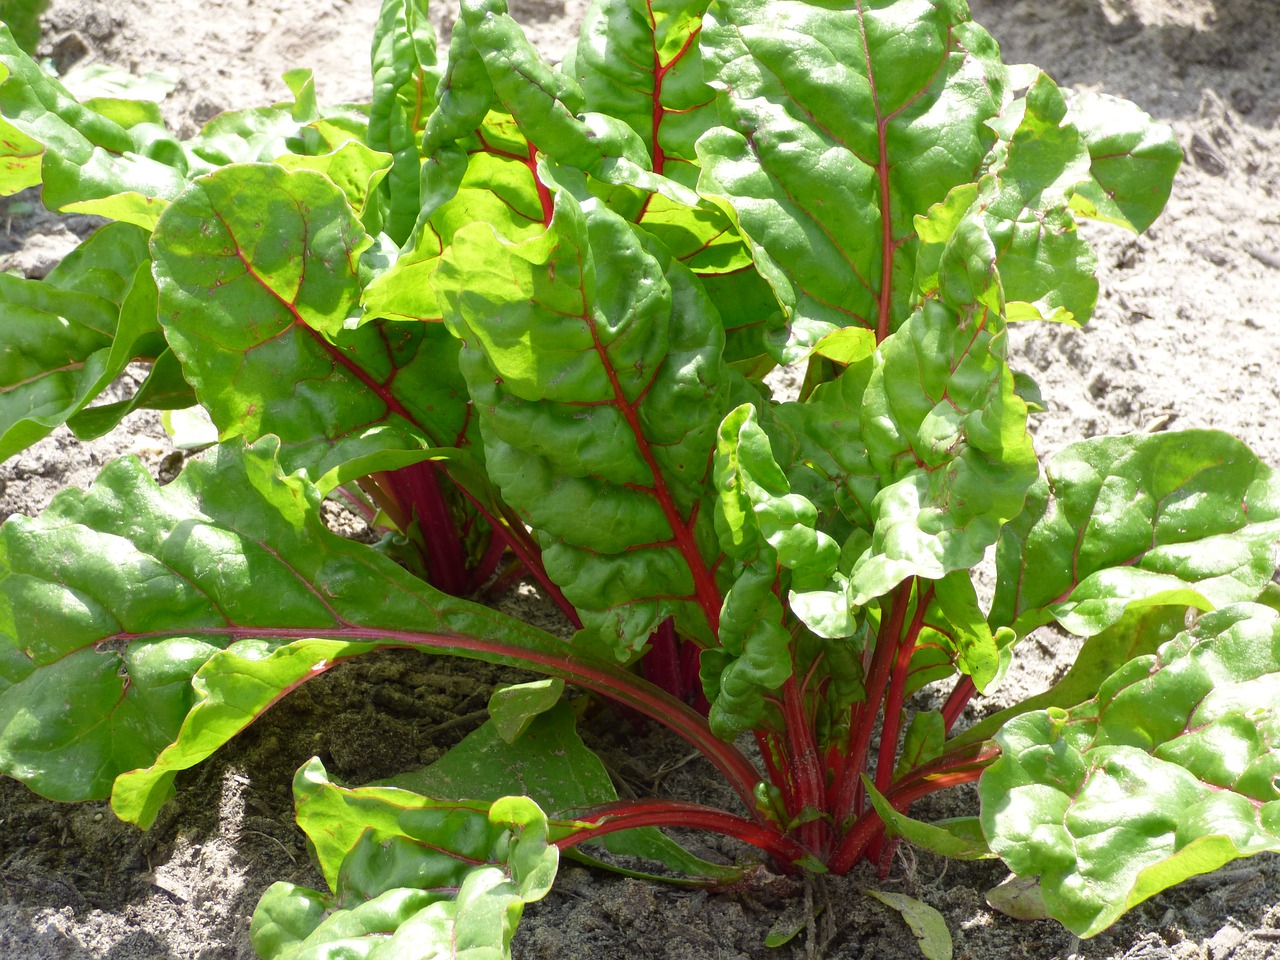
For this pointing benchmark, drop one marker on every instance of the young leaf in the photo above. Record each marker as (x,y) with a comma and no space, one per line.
(947,436)
(405,77)
(1171,771)
(1187,519)
(410,877)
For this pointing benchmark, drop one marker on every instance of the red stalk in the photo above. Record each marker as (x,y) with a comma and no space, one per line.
(599,677)
(805,767)
(848,797)
(628,814)
(892,725)
(961,694)
(937,775)
(421,493)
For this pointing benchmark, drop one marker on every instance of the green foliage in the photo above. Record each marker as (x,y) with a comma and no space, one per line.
(522,315)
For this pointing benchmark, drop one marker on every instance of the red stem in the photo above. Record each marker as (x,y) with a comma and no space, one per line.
(937,775)
(417,487)
(848,797)
(892,725)
(661,662)
(605,679)
(629,814)
(805,766)
(962,693)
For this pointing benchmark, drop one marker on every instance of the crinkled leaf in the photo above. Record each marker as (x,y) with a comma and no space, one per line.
(594,363)
(20,157)
(353,167)
(1016,219)
(843,123)
(1187,519)
(413,877)
(405,77)
(642,63)
(1171,771)
(258,273)
(114,597)
(947,436)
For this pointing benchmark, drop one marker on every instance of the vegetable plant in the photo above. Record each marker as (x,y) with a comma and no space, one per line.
(522,316)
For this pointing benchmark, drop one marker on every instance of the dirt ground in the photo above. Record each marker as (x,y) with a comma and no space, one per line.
(1187,335)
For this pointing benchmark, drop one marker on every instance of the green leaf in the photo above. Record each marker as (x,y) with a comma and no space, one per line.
(115,597)
(353,167)
(1132,161)
(643,65)
(1016,219)
(86,155)
(1171,771)
(20,157)
(1186,519)
(413,878)
(232,688)
(282,248)
(594,363)
(925,922)
(946,434)
(1141,630)
(843,122)
(513,708)
(957,839)
(405,77)
(549,763)
(66,338)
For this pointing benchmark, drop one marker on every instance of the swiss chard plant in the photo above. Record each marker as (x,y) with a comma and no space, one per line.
(522,315)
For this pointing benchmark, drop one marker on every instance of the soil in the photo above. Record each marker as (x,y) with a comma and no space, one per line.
(1187,335)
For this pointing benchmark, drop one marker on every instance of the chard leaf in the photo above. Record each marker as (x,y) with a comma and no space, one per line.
(958,839)
(843,123)
(353,168)
(643,65)
(1171,771)
(20,157)
(405,77)
(1141,630)
(549,763)
(1132,161)
(594,363)
(1017,217)
(946,433)
(1189,519)
(66,338)
(86,156)
(547,105)
(282,248)
(115,597)
(411,877)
